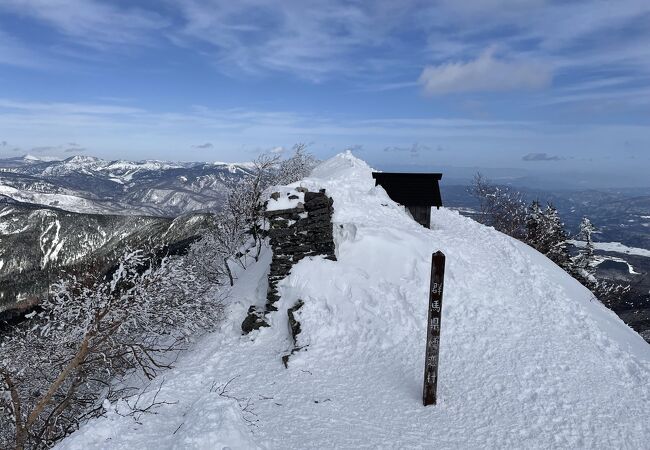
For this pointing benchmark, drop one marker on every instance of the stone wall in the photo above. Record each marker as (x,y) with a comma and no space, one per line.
(302,229)
(305,230)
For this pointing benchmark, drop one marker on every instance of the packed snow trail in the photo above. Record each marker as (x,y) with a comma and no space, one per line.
(528,358)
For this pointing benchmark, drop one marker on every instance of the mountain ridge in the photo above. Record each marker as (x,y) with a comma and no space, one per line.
(528,358)
(87,184)
(37,242)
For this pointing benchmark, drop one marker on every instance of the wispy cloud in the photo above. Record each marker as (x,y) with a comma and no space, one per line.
(598,51)
(98,24)
(414,150)
(540,157)
(73,147)
(91,122)
(484,74)
(379,46)
(66,108)
(57,149)
(203,146)
(312,41)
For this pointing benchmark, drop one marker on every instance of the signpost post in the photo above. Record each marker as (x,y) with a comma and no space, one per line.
(429,394)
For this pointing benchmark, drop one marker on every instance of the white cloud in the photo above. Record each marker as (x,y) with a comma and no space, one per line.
(66,108)
(380,45)
(313,40)
(540,156)
(484,74)
(91,22)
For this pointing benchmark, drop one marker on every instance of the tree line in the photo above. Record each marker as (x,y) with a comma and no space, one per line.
(541,227)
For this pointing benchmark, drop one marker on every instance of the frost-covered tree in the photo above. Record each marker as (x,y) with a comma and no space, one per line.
(239,229)
(584,261)
(246,198)
(220,248)
(89,338)
(503,208)
(556,241)
(296,167)
(610,293)
(500,206)
(535,225)
(546,233)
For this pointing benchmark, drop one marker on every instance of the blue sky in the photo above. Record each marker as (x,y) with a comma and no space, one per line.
(541,86)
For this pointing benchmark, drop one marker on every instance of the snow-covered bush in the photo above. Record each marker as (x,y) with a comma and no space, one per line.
(610,293)
(500,206)
(239,230)
(92,335)
(295,168)
(584,262)
(545,232)
(89,338)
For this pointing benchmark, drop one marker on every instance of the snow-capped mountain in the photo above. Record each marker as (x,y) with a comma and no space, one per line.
(529,359)
(37,241)
(87,184)
(77,211)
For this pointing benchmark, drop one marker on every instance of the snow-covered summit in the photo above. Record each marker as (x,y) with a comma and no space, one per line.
(528,358)
(81,159)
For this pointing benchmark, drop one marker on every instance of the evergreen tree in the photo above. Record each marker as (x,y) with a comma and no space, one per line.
(534,226)
(545,233)
(610,293)
(584,261)
(555,238)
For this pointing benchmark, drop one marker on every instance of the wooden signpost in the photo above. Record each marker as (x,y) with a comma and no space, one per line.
(429,394)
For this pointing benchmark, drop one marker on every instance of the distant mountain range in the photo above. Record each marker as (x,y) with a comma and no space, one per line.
(37,243)
(86,184)
(79,214)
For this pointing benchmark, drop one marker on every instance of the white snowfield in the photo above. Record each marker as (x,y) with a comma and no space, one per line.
(528,358)
(615,247)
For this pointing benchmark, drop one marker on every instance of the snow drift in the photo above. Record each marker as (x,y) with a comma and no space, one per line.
(528,358)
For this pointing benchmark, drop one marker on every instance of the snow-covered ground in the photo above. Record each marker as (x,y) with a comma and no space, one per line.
(528,358)
(63,201)
(615,247)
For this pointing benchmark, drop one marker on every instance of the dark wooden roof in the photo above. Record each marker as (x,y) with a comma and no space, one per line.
(411,189)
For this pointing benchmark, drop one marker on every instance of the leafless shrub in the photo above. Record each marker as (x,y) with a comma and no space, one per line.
(500,206)
(89,336)
(92,334)
(239,231)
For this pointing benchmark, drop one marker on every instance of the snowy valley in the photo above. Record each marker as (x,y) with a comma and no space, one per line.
(38,243)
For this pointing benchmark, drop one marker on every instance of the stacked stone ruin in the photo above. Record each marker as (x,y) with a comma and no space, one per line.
(305,230)
(295,233)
